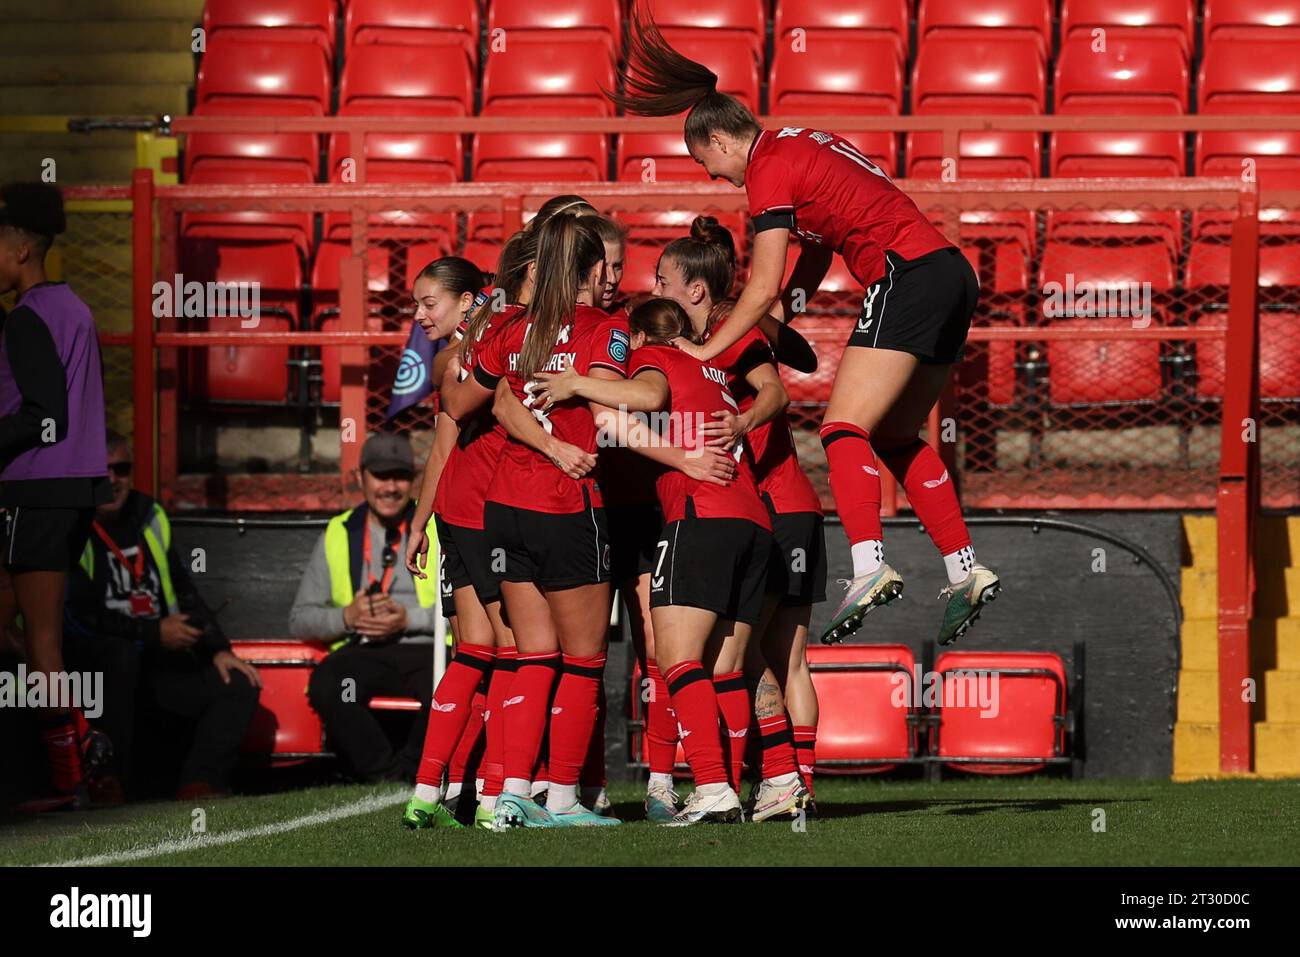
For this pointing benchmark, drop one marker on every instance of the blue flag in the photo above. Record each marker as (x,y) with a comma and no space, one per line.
(414,378)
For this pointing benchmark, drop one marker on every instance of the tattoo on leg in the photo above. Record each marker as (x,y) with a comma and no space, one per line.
(767,699)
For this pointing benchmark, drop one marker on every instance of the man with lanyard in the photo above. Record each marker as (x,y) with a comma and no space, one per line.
(134,614)
(357,593)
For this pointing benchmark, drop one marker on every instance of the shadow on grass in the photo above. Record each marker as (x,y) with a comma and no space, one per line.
(966,806)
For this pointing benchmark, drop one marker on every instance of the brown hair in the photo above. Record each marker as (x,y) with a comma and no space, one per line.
(455,274)
(568,247)
(662,82)
(661,320)
(569,203)
(708,255)
(512,269)
(615,234)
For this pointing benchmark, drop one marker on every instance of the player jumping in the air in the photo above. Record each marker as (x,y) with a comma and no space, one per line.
(920,294)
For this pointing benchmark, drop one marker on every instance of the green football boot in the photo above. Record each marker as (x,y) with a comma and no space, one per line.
(965,600)
(421,814)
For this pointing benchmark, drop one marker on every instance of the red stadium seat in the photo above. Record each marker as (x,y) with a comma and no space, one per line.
(1105,370)
(583,21)
(1279,357)
(285,728)
(216,155)
(543,75)
(1101,154)
(1117,226)
(1176,18)
(1135,73)
(246,374)
(278,79)
(994,75)
(868,714)
(1234,18)
(249,225)
(1208,276)
(273,21)
(842,19)
(1139,72)
(1028,18)
(379,74)
(718,20)
(452,23)
(1260,73)
(854,75)
(1028,728)
(737,75)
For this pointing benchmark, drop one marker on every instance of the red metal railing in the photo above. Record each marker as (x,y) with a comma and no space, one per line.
(155,343)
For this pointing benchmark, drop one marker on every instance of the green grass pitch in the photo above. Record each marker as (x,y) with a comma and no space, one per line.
(861,822)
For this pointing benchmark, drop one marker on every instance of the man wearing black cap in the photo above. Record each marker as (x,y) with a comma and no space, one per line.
(357,594)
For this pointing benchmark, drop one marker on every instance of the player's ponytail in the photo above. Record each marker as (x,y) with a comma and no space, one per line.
(659,320)
(567,249)
(512,269)
(661,82)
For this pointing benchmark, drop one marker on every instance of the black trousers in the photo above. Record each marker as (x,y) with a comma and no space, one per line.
(340,690)
(143,695)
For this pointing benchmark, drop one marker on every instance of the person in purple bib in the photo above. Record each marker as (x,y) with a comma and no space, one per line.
(53,460)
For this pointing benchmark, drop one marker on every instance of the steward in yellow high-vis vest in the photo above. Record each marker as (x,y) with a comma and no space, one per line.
(357,594)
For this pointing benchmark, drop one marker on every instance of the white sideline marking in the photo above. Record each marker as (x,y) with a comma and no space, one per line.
(196,842)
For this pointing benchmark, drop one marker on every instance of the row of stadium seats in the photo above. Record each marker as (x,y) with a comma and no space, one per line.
(1142,71)
(862,728)
(456,23)
(1103,371)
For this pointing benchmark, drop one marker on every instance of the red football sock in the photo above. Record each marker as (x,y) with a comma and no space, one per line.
(736,710)
(594,774)
(63,751)
(805,747)
(930,492)
(855,479)
(450,709)
(696,706)
(573,715)
(660,724)
(469,752)
(525,711)
(778,746)
(503,675)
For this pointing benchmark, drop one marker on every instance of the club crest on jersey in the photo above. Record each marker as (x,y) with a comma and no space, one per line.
(619,344)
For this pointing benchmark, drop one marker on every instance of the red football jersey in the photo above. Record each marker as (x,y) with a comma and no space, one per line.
(626,478)
(462,487)
(822,189)
(770,446)
(524,478)
(696,391)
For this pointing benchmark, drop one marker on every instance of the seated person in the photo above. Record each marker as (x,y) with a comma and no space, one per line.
(134,615)
(357,593)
